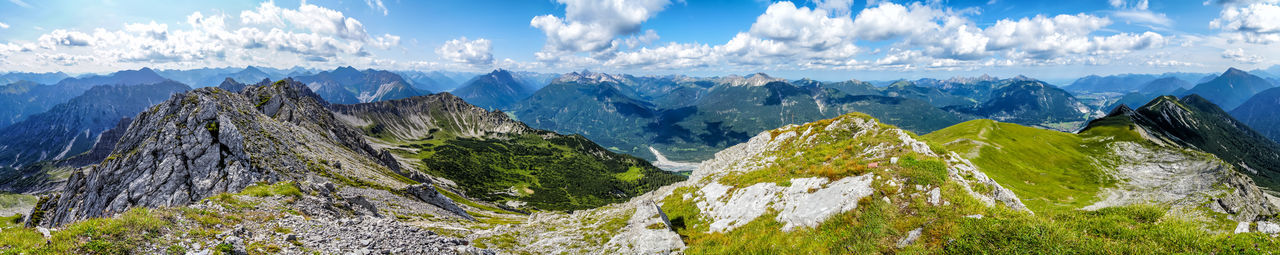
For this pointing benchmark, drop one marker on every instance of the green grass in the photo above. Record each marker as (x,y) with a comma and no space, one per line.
(632,174)
(1060,172)
(557,173)
(277,189)
(120,235)
(13,199)
(141,227)
(468,202)
(1048,170)
(873,227)
(1116,230)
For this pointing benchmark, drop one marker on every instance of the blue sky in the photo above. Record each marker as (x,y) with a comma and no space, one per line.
(828,39)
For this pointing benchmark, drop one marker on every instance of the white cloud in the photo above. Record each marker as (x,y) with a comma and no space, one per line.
(1239,55)
(919,36)
(65,59)
(475,52)
(20,3)
(592,26)
(838,7)
(1138,12)
(1144,16)
(377,5)
(1254,23)
(386,41)
(265,35)
(890,20)
(62,37)
(4,26)
(802,28)
(668,57)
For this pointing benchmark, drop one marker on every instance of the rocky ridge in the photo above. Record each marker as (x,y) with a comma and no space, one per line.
(645,226)
(210,141)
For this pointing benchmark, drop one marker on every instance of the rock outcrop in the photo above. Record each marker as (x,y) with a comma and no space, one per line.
(210,141)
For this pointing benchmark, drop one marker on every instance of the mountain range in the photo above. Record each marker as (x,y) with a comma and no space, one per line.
(711,114)
(354,161)
(1195,122)
(73,127)
(1029,102)
(1260,112)
(346,85)
(496,90)
(1231,89)
(38,78)
(21,99)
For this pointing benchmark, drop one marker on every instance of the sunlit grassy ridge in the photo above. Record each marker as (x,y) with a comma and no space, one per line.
(1049,170)
(1053,172)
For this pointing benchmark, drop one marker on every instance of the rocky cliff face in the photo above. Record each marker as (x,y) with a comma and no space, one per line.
(211,141)
(347,85)
(1184,180)
(417,117)
(1194,122)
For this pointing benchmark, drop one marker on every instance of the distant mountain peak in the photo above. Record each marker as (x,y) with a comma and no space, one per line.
(500,73)
(754,80)
(1121,110)
(962,79)
(588,77)
(1234,71)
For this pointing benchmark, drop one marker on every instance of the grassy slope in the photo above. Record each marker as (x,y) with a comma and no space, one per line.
(140,227)
(1048,170)
(549,174)
(875,226)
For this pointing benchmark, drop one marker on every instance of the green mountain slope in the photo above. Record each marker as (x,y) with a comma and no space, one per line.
(1049,170)
(698,120)
(1262,113)
(852,185)
(494,158)
(1195,122)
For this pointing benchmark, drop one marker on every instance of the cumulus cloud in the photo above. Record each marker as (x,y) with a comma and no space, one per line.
(668,57)
(1254,23)
(918,36)
(784,29)
(62,37)
(474,52)
(889,20)
(838,7)
(1239,55)
(592,26)
(1138,12)
(267,33)
(4,26)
